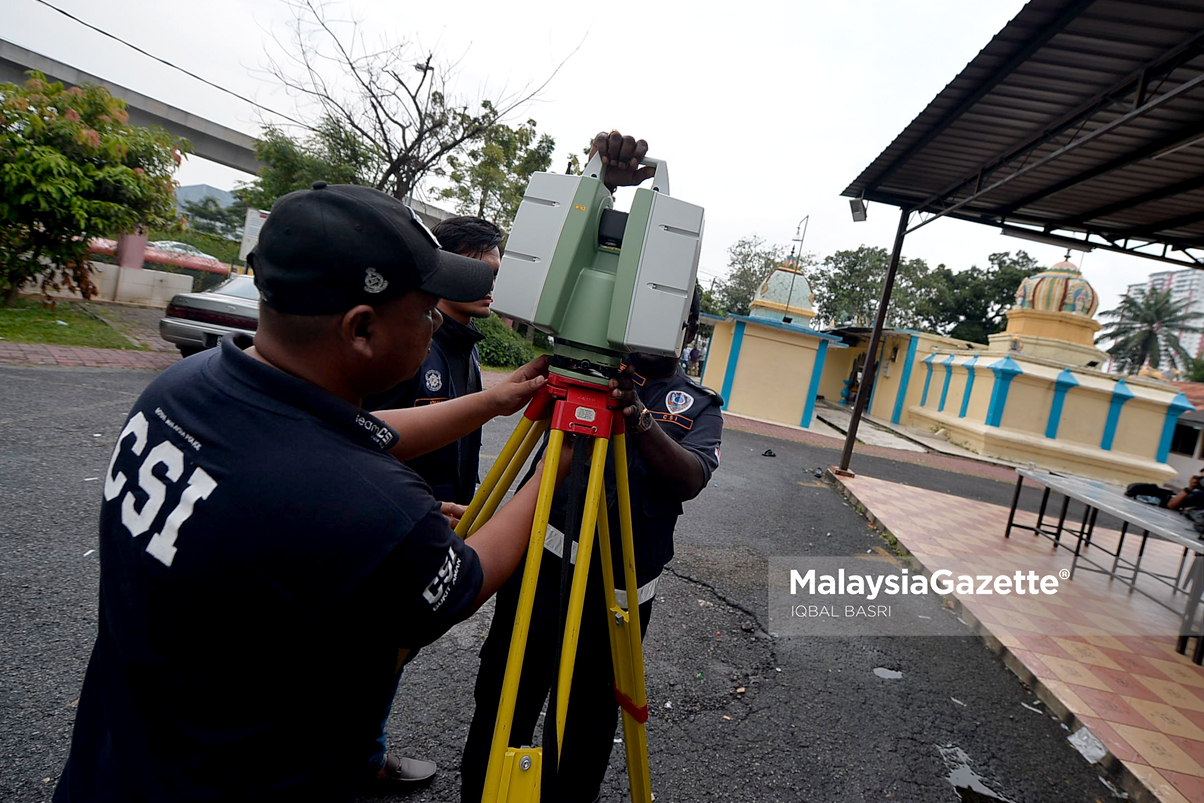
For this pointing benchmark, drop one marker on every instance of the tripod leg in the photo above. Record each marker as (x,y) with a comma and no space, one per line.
(635,743)
(572,631)
(491,479)
(516,465)
(494,782)
(632,649)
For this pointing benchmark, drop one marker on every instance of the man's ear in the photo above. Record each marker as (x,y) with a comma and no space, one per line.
(358,328)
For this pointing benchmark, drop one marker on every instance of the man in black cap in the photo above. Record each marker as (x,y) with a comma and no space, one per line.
(266,560)
(453,368)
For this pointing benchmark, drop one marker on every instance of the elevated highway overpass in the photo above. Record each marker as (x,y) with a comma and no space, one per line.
(210,140)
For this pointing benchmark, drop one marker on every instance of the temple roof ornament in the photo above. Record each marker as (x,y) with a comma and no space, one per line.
(1062,288)
(786,293)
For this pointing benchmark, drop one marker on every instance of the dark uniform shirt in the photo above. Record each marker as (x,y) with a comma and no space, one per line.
(451,370)
(263,559)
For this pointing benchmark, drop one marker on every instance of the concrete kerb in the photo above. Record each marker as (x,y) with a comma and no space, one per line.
(1058,710)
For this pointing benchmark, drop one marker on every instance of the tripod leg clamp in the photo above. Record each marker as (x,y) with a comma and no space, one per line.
(638,713)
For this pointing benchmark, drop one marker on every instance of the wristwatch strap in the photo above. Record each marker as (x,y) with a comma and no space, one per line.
(645,420)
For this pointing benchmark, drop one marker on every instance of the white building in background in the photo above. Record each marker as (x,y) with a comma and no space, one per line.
(1183,284)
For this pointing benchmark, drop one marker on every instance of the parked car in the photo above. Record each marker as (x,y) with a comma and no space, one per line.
(196,321)
(180,248)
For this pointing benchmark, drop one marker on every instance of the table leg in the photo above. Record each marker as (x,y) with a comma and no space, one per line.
(1041,510)
(1179,574)
(1120,545)
(1145,536)
(1061,521)
(1091,524)
(1078,545)
(1195,587)
(1015,501)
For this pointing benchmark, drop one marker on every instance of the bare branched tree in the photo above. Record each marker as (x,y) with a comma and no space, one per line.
(391,99)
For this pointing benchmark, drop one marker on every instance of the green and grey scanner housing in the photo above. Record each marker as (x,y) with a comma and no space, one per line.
(603,283)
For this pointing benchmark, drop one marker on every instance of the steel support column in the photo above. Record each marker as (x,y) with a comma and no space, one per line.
(875,338)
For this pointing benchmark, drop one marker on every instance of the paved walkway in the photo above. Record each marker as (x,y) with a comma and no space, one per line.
(38,354)
(139,324)
(1097,655)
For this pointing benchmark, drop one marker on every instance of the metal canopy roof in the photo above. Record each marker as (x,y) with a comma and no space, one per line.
(1083,118)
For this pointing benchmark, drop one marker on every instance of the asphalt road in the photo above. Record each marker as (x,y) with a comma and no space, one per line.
(814,722)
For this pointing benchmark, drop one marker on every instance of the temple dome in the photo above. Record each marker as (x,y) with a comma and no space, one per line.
(786,293)
(1060,289)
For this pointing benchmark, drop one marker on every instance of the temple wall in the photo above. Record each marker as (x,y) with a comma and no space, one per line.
(767,371)
(1026,410)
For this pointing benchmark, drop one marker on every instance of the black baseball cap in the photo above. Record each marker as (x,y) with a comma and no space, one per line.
(327,249)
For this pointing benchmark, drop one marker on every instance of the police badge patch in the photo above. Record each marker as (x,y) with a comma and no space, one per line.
(678,401)
(374,282)
(434,380)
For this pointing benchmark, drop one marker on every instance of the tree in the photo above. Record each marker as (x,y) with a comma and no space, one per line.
(72,168)
(972,304)
(393,103)
(848,287)
(490,179)
(1194,372)
(330,153)
(750,261)
(210,217)
(711,304)
(1145,327)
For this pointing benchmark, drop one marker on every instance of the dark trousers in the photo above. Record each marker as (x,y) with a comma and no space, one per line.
(593,713)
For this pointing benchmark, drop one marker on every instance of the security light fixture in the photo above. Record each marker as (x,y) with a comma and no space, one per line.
(857,205)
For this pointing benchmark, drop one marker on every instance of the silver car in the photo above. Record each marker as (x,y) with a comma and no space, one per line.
(196,321)
(180,248)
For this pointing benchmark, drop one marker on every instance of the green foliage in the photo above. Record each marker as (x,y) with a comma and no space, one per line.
(502,347)
(848,287)
(331,153)
(490,179)
(207,216)
(29,321)
(1146,328)
(1194,370)
(750,261)
(971,304)
(71,168)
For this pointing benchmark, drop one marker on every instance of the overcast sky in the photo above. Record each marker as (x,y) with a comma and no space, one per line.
(765,111)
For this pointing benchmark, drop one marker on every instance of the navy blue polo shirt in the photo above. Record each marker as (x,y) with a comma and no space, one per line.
(451,370)
(263,559)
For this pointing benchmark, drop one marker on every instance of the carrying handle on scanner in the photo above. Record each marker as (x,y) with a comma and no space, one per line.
(660,180)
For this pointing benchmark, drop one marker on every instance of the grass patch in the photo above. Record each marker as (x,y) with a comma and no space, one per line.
(30,321)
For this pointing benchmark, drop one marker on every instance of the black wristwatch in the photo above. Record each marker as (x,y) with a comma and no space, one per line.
(645,420)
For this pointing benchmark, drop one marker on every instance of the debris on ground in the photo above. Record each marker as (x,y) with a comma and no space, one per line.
(1088,745)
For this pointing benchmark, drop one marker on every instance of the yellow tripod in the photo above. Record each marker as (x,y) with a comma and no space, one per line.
(582,407)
